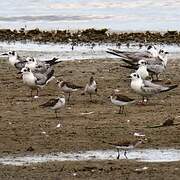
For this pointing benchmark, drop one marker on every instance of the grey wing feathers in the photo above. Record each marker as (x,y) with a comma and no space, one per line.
(43,78)
(151,88)
(156,69)
(133,56)
(40,78)
(21,58)
(20,65)
(50,73)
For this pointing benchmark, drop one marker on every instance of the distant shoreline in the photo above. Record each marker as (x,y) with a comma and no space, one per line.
(89,36)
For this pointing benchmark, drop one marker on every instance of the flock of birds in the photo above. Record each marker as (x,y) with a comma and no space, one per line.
(146,64)
(36,74)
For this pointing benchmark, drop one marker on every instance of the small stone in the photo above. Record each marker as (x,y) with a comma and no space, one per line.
(36,97)
(30,149)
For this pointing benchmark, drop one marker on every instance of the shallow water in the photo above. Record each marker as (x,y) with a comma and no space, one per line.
(80,52)
(142,155)
(78,14)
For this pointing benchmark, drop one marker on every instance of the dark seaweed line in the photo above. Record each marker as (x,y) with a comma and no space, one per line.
(88,36)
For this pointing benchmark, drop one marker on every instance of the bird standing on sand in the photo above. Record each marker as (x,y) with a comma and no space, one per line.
(135,56)
(15,60)
(142,70)
(35,80)
(121,101)
(146,88)
(34,64)
(156,61)
(55,104)
(91,88)
(68,87)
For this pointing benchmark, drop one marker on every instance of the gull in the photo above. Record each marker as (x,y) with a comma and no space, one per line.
(33,63)
(156,60)
(55,104)
(126,146)
(90,88)
(15,60)
(137,55)
(159,66)
(132,58)
(67,87)
(142,70)
(154,66)
(121,101)
(146,88)
(37,66)
(35,80)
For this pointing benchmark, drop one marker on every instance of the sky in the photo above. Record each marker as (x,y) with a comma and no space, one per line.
(116,15)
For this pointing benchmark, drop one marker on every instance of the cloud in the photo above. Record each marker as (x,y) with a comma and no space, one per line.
(111,17)
(90,5)
(57,18)
(129,4)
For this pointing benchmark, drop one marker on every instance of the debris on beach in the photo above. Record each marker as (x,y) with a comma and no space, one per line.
(169,121)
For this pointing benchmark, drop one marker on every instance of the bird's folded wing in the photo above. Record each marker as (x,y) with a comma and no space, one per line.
(50,103)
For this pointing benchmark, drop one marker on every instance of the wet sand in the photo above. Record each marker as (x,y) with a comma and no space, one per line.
(27,128)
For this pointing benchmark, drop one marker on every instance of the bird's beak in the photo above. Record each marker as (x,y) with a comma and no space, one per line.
(128,77)
(19,72)
(4,54)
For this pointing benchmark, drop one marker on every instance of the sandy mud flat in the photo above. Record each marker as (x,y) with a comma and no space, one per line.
(25,128)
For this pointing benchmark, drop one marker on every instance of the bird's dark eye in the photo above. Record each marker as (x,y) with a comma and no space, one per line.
(134,75)
(25,70)
(149,47)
